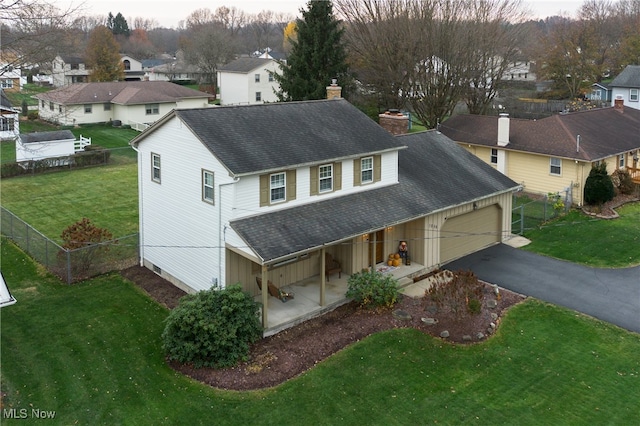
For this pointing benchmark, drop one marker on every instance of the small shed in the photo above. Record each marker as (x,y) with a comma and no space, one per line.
(6,299)
(43,145)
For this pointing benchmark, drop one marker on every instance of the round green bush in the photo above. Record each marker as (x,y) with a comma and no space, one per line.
(372,289)
(212,328)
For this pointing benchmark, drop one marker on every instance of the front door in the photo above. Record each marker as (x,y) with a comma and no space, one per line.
(376,242)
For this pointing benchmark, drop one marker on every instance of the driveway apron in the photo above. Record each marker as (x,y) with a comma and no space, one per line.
(612,295)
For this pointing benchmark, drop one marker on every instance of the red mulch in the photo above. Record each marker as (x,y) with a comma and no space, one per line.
(278,358)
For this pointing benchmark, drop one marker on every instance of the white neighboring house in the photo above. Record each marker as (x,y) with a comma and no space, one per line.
(49,145)
(11,78)
(626,86)
(6,299)
(248,81)
(134,103)
(66,70)
(132,68)
(231,194)
(9,119)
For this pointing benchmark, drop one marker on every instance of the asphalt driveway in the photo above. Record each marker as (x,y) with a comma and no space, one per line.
(612,295)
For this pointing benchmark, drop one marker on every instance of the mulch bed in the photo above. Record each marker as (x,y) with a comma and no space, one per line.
(280,357)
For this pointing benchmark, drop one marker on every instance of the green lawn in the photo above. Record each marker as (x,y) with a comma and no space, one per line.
(50,202)
(91,352)
(583,239)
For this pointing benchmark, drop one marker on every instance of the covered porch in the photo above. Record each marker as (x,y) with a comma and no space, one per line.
(306,303)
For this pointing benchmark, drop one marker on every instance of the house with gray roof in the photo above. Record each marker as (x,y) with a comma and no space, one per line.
(248,80)
(553,154)
(134,103)
(264,193)
(626,86)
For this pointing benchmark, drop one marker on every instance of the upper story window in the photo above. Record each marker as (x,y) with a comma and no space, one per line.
(152,109)
(621,161)
(107,106)
(555,166)
(6,83)
(633,95)
(42,103)
(207,186)
(366,170)
(7,124)
(75,66)
(127,65)
(494,156)
(88,108)
(257,78)
(155,167)
(258,96)
(51,107)
(325,178)
(270,77)
(277,187)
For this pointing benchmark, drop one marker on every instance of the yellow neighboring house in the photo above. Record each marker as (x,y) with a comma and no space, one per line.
(554,154)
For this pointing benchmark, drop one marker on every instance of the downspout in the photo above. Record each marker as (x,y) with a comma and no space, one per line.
(220,248)
(140,209)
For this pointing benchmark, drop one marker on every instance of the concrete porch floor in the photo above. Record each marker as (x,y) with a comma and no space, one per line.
(306,304)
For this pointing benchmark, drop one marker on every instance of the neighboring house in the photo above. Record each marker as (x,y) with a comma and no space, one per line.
(10,78)
(248,81)
(626,87)
(556,153)
(231,194)
(600,93)
(269,53)
(60,144)
(132,68)
(67,70)
(519,71)
(132,103)
(176,70)
(9,118)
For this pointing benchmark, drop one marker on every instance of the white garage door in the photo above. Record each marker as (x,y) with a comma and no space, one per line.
(470,232)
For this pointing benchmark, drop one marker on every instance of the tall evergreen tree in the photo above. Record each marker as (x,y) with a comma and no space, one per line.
(103,56)
(317,55)
(118,24)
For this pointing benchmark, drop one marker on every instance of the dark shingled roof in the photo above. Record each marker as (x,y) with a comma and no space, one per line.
(604,132)
(629,77)
(244,65)
(121,92)
(434,174)
(56,135)
(255,138)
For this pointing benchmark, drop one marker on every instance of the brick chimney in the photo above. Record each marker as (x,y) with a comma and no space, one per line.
(334,91)
(618,104)
(394,122)
(503,129)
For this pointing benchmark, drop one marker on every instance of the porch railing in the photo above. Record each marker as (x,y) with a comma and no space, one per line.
(80,144)
(634,172)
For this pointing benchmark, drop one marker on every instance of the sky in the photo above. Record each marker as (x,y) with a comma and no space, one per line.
(170,13)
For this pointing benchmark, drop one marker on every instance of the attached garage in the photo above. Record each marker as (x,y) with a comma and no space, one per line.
(470,232)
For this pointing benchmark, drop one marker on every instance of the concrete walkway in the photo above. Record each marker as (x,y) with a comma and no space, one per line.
(612,295)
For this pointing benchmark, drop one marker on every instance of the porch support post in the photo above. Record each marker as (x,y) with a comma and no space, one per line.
(323,276)
(374,251)
(265,295)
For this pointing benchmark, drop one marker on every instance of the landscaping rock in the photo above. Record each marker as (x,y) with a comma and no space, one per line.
(479,336)
(403,315)
(491,304)
(466,338)
(429,321)
(444,334)
(494,316)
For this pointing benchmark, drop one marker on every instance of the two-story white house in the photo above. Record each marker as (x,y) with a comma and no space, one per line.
(66,70)
(248,81)
(9,119)
(134,103)
(132,68)
(231,194)
(626,87)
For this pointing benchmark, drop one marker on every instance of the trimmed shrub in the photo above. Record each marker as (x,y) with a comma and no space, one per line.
(212,328)
(373,289)
(598,188)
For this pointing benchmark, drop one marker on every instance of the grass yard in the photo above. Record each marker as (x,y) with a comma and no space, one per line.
(579,238)
(52,201)
(91,353)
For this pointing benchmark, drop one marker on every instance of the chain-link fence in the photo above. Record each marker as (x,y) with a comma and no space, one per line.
(531,210)
(70,265)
